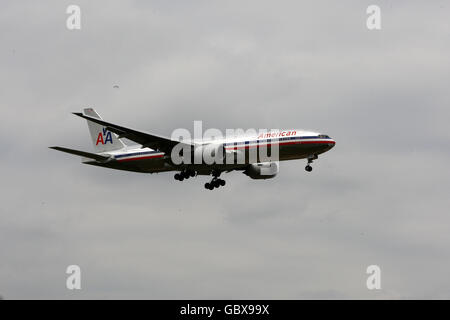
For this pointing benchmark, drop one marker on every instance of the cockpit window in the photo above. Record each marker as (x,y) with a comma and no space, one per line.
(324,136)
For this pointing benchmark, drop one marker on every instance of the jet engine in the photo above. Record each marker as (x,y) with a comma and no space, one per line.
(263,170)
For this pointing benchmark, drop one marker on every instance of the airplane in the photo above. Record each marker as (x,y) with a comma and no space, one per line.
(153,154)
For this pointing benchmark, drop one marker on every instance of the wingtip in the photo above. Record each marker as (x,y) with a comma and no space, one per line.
(77,114)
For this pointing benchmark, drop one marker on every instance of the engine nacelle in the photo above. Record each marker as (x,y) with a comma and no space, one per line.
(263,170)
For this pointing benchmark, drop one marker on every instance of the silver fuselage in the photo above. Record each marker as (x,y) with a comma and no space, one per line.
(299,145)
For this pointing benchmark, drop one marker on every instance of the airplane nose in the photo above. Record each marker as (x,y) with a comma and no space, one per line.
(331,144)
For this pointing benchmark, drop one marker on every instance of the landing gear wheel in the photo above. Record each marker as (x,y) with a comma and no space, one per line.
(308,168)
(178,177)
(222,182)
(192,174)
(208,186)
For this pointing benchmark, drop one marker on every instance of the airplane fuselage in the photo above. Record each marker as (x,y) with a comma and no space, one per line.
(297,145)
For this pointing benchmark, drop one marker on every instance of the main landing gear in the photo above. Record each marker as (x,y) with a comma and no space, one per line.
(215,182)
(310,160)
(185,174)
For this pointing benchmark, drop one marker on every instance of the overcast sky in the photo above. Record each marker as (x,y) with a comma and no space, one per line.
(379,197)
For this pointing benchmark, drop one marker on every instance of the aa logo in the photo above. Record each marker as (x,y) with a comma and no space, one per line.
(104,137)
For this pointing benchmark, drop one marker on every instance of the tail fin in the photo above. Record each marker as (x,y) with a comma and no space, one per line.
(102,139)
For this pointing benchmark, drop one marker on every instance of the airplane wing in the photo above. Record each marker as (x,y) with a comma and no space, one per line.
(145,139)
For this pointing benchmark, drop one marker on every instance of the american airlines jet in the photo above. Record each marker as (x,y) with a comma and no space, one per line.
(155,153)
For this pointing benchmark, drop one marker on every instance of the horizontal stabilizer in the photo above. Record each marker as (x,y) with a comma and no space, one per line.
(94,156)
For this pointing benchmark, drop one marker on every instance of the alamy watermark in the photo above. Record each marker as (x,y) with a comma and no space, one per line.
(73,21)
(373,281)
(236,146)
(373,21)
(73,281)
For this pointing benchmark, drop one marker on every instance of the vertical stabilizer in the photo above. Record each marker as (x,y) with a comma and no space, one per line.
(103,139)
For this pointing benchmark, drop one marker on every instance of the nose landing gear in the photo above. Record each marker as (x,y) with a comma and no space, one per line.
(310,160)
